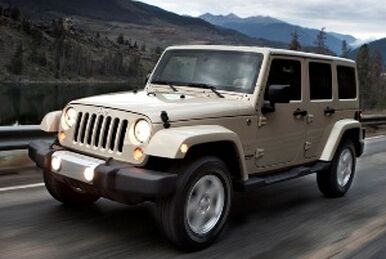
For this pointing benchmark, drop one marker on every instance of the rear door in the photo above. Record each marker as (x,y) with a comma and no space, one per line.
(321,105)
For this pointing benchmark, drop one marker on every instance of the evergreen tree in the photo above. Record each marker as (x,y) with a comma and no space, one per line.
(15,14)
(363,64)
(26,26)
(320,41)
(17,62)
(121,39)
(143,47)
(345,49)
(295,44)
(1,11)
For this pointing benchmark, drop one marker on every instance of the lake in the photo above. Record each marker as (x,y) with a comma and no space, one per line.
(26,104)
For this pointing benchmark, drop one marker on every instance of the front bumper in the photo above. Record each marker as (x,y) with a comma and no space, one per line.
(109,177)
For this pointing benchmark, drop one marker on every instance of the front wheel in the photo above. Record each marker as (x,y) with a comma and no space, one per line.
(198,211)
(336,181)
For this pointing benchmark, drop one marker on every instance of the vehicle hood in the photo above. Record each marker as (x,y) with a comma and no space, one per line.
(179,109)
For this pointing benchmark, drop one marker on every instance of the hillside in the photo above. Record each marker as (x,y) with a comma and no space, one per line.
(275,30)
(378,45)
(138,21)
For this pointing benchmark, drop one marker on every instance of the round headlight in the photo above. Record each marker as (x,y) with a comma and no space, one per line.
(69,117)
(142,131)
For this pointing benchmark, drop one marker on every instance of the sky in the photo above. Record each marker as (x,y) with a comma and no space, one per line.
(363,19)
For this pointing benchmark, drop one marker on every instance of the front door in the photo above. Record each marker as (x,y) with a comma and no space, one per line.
(281,133)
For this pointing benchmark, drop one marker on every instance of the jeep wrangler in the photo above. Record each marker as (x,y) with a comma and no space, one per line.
(211,121)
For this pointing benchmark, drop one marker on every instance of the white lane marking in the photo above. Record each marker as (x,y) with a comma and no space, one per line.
(21,187)
(376,137)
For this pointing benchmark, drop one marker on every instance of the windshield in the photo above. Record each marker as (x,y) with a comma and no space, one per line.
(222,70)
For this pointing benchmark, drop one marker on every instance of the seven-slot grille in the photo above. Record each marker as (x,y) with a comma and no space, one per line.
(99,131)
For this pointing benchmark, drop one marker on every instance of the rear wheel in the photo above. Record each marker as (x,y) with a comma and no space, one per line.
(336,181)
(196,214)
(65,194)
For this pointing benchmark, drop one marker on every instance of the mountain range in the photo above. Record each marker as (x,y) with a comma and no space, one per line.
(276,30)
(139,22)
(154,27)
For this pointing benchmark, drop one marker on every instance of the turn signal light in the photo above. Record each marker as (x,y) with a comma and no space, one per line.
(138,153)
(62,136)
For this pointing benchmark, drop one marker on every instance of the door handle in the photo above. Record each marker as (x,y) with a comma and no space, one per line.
(300,113)
(329,111)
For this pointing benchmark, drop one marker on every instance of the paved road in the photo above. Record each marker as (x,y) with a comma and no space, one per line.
(287,220)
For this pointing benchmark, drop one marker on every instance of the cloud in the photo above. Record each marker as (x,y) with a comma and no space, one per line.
(363,19)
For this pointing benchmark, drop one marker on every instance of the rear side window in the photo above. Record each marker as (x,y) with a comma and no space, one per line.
(346,82)
(320,81)
(287,72)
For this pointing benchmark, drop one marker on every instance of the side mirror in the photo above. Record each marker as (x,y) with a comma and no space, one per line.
(147,78)
(278,94)
(275,94)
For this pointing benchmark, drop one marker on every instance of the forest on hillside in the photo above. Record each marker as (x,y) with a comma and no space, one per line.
(57,51)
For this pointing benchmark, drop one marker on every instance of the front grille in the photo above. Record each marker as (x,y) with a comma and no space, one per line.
(101,132)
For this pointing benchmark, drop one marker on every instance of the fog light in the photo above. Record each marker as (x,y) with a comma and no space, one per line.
(56,163)
(88,174)
(138,154)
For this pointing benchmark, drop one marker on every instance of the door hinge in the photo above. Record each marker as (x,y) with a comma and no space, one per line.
(259,153)
(262,121)
(307,145)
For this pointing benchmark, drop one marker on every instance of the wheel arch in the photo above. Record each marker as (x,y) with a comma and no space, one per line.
(200,140)
(343,129)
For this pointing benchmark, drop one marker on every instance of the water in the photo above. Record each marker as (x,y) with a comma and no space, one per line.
(25,104)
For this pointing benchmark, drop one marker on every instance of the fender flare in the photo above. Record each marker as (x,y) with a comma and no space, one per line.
(335,137)
(51,121)
(167,143)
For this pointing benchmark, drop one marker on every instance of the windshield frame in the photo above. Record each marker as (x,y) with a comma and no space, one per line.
(250,90)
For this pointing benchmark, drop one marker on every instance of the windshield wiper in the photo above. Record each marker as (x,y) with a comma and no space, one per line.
(170,84)
(206,86)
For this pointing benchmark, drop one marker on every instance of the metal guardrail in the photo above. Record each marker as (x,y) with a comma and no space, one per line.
(18,137)
(373,120)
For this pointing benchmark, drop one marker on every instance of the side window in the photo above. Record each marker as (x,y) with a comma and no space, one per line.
(287,72)
(346,82)
(320,81)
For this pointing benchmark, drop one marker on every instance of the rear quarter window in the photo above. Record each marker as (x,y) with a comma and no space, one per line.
(346,82)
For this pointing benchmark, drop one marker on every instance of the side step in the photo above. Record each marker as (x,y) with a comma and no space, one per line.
(296,172)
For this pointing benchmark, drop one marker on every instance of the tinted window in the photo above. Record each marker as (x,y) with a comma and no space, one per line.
(287,72)
(346,82)
(320,81)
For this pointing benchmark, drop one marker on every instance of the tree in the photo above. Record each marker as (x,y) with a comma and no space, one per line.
(295,44)
(1,11)
(158,50)
(15,14)
(345,49)
(121,39)
(143,47)
(363,64)
(26,26)
(16,65)
(98,35)
(320,41)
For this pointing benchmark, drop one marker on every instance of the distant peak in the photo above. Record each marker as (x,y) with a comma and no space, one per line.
(232,15)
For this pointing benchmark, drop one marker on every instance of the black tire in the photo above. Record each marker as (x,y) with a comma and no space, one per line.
(328,182)
(65,194)
(172,211)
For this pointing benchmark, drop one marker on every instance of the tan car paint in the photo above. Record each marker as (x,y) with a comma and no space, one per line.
(264,142)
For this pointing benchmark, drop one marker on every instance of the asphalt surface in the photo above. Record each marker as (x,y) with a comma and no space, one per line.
(287,220)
